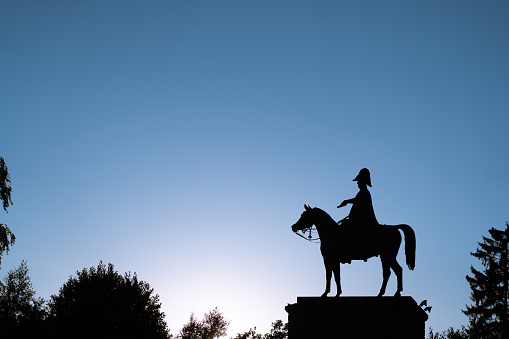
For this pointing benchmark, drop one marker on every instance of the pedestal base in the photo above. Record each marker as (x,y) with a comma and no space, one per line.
(356,317)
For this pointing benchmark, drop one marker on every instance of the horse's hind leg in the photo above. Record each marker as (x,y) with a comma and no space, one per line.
(399,274)
(386,272)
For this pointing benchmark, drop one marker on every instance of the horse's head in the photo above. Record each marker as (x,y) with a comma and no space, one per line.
(305,221)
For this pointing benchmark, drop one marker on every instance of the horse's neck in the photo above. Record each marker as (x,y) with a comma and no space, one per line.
(324,223)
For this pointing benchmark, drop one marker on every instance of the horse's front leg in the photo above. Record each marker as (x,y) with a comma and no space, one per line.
(337,277)
(386,274)
(328,276)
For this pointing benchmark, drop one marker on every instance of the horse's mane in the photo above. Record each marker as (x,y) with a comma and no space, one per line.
(325,215)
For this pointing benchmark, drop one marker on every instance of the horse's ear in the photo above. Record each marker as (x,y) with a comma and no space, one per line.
(307,207)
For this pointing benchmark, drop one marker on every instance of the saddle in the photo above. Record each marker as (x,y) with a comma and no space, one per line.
(357,244)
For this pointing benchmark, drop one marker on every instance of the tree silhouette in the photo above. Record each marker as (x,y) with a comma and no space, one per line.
(7,238)
(488,315)
(21,313)
(101,303)
(251,334)
(279,330)
(450,333)
(213,325)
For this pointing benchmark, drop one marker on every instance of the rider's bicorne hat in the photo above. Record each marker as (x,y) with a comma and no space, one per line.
(364,177)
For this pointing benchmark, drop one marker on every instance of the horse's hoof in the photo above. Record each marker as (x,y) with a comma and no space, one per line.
(324,295)
(397,294)
(380,295)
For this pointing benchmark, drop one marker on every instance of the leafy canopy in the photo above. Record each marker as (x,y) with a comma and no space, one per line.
(7,238)
(213,325)
(100,300)
(279,330)
(21,313)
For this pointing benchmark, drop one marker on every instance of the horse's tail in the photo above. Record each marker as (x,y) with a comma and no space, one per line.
(409,234)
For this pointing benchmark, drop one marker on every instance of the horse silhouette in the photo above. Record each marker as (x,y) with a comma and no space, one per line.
(338,246)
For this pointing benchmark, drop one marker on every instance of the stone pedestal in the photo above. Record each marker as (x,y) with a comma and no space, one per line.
(356,317)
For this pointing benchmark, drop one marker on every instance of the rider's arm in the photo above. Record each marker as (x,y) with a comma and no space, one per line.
(345,202)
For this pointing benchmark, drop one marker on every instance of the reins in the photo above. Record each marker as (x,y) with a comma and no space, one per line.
(309,237)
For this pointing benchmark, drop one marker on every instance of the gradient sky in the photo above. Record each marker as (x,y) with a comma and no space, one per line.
(181,139)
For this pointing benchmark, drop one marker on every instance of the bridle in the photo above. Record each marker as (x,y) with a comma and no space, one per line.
(309,237)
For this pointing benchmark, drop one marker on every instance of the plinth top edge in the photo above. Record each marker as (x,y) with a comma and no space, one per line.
(357,300)
(358,304)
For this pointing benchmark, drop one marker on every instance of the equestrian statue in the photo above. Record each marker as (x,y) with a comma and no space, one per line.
(359,236)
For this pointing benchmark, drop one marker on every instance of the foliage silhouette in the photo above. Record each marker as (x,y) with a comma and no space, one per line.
(251,334)
(5,185)
(101,303)
(488,315)
(21,313)
(7,238)
(450,333)
(213,325)
(279,330)
(386,242)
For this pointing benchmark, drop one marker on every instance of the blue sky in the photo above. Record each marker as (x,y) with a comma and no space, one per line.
(180,140)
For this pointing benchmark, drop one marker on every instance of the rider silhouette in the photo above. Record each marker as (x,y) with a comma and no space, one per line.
(361,220)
